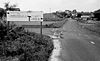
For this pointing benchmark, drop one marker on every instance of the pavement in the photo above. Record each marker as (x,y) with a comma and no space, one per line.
(79,44)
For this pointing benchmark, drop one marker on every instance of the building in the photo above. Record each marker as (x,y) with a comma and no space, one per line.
(86,16)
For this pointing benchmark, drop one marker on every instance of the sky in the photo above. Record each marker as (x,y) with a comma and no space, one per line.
(54,5)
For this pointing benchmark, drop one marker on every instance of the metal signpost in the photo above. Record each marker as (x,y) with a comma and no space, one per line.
(26,16)
(41,29)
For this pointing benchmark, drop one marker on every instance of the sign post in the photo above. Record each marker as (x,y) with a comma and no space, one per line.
(41,29)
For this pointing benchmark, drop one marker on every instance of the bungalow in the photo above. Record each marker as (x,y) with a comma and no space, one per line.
(86,16)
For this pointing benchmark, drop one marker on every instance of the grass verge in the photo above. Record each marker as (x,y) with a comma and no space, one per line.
(93,27)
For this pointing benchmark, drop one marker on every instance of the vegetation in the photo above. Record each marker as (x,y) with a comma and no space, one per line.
(94,24)
(94,28)
(60,20)
(79,15)
(97,14)
(2,12)
(51,17)
(8,7)
(57,24)
(11,7)
(60,14)
(21,45)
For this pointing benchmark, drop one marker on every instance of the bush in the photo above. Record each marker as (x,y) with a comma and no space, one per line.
(26,46)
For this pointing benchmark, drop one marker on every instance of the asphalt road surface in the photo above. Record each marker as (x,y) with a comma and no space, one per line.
(79,44)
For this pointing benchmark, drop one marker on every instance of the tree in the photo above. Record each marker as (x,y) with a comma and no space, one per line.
(11,7)
(2,12)
(79,15)
(97,14)
(74,11)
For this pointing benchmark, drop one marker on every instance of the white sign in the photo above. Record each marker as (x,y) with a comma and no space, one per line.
(24,15)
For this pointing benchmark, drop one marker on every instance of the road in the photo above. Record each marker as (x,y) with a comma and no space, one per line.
(79,44)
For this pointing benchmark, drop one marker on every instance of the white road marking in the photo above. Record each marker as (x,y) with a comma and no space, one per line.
(92,42)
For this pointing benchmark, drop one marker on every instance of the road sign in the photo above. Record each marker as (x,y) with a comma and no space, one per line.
(24,15)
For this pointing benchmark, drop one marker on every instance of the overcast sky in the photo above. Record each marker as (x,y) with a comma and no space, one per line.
(55,5)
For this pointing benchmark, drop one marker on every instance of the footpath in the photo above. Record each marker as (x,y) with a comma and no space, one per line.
(57,46)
